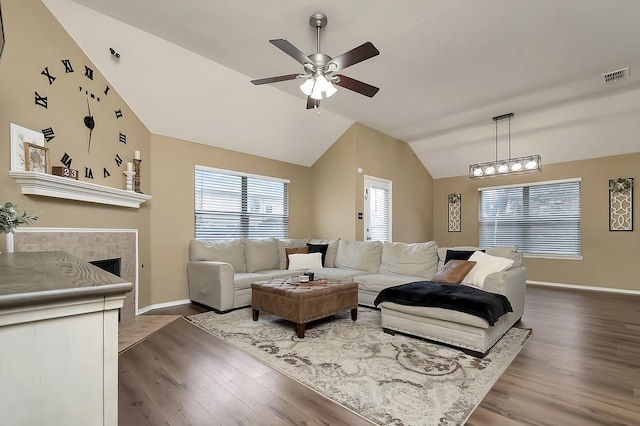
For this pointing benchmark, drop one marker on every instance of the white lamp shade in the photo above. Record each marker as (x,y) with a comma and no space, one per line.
(307,86)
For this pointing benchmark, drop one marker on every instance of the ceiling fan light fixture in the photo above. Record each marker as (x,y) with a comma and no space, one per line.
(322,86)
(307,86)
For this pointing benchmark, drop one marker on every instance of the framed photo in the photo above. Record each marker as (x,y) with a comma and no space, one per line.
(36,158)
(20,135)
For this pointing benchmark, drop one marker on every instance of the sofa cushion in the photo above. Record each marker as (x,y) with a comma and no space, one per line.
(377,282)
(360,255)
(510,252)
(442,253)
(417,259)
(332,251)
(294,250)
(336,273)
(288,243)
(458,255)
(301,261)
(243,280)
(485,265)
(319,248)
(260,254)
(453,271)
(229,251)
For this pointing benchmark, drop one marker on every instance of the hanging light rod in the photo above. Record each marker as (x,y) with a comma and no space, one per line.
(510,166)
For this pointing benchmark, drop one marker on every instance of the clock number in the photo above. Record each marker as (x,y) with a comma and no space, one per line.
(123,138)
(41,100)
(48,134)
(88,72)
(118,113)
(88,173)
(106,172)
(46,73)
(118,160)
(67,66)
(106,90)
(66,160)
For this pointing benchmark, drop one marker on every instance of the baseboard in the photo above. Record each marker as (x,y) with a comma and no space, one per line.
(585,287)
(163,305)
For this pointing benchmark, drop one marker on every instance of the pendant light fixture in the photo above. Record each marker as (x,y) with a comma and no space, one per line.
(510,166)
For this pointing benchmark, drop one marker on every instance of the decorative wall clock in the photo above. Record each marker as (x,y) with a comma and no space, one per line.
(83,125)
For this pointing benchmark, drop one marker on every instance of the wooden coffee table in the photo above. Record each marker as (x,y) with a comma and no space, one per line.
(302,303)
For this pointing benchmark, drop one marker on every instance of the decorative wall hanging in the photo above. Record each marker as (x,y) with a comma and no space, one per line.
(621,204)
(455,212)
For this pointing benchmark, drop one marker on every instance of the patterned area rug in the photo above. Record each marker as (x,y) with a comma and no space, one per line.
(390,380)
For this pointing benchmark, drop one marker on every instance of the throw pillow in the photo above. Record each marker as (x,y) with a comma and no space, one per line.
(458,254)
(485,265)
(295,250)
(454,271)
(305,261)
(319,248)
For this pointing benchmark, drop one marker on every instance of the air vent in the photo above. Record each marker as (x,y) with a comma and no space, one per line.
(614,76)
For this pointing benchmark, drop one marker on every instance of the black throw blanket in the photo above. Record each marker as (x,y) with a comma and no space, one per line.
(462,298)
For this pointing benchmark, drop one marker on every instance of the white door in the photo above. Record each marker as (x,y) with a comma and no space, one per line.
(377,209)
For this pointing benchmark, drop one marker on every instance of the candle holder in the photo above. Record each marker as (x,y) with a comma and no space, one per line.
(129,180)
(136,178)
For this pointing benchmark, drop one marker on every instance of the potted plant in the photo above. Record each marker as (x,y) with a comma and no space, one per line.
(10,219)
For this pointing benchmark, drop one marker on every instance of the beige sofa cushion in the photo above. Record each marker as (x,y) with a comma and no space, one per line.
(261,254)
(283,244)
(229,251)
(418,259)
(360,255)
(332,251)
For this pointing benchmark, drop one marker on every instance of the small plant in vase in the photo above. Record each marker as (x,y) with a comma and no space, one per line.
(10,219)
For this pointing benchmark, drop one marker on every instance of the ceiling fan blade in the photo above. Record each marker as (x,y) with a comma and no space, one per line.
(312,103)
(356,86)
(291,50)
(275,79)
(358,54)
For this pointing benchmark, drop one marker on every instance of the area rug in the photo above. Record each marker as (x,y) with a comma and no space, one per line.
(390,380)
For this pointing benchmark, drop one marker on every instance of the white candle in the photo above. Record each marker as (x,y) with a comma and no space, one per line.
(129,167)
(136,155)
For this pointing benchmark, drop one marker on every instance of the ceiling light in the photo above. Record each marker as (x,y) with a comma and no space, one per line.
(307,86)
(531,163)
(319,86)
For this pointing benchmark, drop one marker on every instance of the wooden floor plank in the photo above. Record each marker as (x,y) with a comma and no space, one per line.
(581,367)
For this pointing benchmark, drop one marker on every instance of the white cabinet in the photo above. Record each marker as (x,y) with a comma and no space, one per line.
(58,340)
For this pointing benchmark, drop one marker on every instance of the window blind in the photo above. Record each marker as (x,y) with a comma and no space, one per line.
(233,205)
(541,218)
(379,213)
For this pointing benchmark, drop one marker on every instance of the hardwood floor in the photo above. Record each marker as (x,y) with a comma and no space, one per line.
(581,367)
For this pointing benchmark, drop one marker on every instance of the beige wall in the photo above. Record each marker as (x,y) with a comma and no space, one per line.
(607,256)
(338,188)
(172,168)
(35,40)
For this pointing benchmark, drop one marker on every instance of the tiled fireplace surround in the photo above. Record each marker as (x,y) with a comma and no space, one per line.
(89,245)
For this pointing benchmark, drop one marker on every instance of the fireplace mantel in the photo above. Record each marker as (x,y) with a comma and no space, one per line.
(47,185)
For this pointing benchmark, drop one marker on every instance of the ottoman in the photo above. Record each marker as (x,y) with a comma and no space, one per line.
(301,303)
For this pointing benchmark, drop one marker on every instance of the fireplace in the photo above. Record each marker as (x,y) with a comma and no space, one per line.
(113,246)
(109,265)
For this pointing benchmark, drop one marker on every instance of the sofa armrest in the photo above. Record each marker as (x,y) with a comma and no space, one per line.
(211,284)
(511,283)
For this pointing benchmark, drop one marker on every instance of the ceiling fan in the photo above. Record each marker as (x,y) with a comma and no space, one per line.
(319,69)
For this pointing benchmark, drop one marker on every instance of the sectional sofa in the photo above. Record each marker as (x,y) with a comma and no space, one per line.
(220,274)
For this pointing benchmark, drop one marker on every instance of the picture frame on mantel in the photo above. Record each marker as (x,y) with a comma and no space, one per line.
(20,135)
(36,158)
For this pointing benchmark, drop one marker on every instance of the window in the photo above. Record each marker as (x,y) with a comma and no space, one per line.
(233,205)
(377,205)
(540,218)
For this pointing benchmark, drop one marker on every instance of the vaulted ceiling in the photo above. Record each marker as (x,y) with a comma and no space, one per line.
(445,69)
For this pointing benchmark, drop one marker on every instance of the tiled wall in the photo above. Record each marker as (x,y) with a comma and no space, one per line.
(89,245)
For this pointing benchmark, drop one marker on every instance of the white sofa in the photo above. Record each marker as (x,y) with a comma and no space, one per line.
(220,274)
